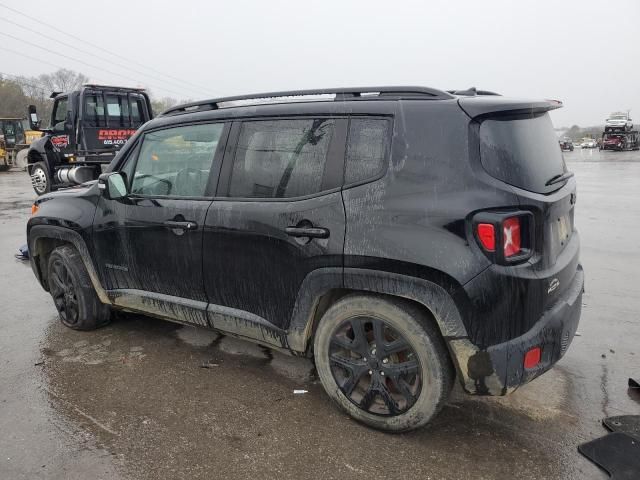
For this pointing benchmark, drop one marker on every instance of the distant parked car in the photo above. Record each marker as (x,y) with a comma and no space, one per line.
(588,143)
(618,122)
(566,144)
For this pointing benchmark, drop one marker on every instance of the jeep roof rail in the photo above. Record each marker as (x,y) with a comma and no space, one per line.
(472,92)
(341,94)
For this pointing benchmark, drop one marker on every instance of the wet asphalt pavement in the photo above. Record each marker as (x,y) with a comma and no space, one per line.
(147,399)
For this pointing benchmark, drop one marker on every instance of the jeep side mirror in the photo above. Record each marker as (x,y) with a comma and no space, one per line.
(34,123)
(112,185)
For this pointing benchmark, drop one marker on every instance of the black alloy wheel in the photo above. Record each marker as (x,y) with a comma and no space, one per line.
(63,291)
(374,366)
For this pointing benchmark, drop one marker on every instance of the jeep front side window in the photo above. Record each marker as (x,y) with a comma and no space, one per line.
(176,161)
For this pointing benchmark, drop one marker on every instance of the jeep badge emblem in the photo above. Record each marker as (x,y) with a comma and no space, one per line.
(553,284)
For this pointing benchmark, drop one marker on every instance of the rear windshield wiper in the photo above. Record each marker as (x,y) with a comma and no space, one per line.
(561,177)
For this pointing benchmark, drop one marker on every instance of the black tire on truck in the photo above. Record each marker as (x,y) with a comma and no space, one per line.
(73,294)
(40,178)
(383,361)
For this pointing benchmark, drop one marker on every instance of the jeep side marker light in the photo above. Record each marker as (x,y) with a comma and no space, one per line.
(532,357)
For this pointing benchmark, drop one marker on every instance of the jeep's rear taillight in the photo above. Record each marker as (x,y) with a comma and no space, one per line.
(511,237)
(487,236)
(505,237)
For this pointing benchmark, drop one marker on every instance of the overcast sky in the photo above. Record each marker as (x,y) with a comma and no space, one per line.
(585,53)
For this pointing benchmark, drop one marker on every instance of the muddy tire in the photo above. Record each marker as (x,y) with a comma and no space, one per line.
(383,362)
(73,294)
(40,178)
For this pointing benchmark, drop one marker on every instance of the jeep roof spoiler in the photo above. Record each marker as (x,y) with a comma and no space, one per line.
(496,105)
(340,94)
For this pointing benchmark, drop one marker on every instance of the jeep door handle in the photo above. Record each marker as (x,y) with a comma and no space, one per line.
(182,225)
(310,232)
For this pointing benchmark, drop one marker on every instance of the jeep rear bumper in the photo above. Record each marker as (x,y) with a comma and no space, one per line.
(499,369)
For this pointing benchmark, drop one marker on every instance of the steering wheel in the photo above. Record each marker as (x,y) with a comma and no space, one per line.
(187,181)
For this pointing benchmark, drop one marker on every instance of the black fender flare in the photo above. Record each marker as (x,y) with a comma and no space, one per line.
(431,295)
(319,282)
(39,232)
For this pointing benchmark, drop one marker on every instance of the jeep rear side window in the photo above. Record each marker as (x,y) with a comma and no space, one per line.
(176,161)
(367,149)
(281,158)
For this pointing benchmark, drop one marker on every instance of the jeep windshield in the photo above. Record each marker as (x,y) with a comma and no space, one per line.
(522,151)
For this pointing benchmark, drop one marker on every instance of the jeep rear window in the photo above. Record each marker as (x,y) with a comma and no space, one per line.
(521,151)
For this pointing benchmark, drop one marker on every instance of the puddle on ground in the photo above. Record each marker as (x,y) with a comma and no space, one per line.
(196,337)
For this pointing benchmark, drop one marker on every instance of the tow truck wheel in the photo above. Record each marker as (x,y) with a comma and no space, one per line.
(40,179)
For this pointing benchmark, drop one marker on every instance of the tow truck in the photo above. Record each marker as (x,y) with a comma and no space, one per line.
(88,126)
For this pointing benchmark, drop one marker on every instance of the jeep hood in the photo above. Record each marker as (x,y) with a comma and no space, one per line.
(83,190)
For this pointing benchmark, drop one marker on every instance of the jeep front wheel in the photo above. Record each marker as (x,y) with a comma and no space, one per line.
(73,294)
(383,362)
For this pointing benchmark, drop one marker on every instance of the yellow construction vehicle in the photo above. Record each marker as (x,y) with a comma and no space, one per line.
(14,141)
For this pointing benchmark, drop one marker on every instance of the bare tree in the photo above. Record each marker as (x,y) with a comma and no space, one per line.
(13,101)
(62,80)
(39,89)
(159,105)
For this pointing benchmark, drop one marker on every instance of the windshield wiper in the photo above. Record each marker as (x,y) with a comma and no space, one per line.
(561,177)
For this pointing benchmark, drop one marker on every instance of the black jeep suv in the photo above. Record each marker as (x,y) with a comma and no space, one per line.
(399,235)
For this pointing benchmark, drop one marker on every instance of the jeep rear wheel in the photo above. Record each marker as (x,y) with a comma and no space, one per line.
(73,294)
(383,362)
(40,179)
